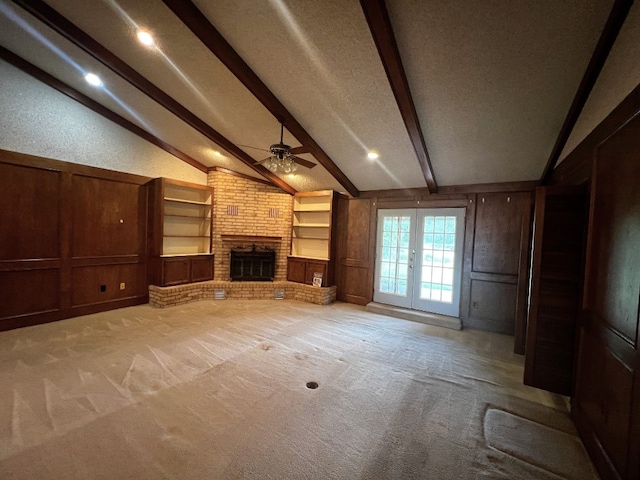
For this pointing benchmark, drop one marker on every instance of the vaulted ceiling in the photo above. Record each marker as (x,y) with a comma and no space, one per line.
(447,92)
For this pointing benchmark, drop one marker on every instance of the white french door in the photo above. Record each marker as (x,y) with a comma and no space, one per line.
(419,259)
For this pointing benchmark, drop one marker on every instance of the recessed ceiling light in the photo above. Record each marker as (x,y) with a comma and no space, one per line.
(93,79)
(145,38)
(372,155)
(217,153)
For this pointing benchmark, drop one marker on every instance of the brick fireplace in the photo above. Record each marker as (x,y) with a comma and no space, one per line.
(245,213)
(249,213)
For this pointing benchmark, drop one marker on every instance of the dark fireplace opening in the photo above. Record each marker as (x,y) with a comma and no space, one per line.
(256,264)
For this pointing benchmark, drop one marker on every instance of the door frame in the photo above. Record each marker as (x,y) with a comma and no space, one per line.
(413,279)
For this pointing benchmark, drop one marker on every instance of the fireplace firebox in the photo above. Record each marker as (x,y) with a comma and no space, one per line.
(254,263)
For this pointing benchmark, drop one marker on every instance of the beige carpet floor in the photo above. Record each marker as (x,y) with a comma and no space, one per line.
(218,390)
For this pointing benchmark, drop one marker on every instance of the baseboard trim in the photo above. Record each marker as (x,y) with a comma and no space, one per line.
(428,318)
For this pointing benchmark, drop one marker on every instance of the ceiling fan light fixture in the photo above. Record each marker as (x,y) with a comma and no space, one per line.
(281,159)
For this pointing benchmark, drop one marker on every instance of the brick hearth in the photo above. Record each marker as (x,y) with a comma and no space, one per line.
(169,296)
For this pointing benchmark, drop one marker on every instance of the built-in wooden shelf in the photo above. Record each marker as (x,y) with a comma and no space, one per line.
(181,234)
(187,255)
(251,238)
(189,202)
(312,239)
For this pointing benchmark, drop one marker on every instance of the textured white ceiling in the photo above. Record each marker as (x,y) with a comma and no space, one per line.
(492,81)
(618,78)
(320,60)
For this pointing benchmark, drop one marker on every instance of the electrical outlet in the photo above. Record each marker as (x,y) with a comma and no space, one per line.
(122,286)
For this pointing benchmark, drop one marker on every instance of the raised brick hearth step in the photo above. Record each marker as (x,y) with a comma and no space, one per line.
(168,296)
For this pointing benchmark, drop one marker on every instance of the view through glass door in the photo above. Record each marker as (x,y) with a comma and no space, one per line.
(419,259)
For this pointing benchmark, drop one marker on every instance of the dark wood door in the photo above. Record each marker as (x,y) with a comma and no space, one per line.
(606,404)
(556,283)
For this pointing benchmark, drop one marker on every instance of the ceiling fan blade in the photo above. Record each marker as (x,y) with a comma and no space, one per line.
(298,150)
(303,162)
(255,148)
(260,162)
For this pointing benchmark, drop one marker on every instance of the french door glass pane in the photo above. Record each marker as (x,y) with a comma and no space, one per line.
(438,257)
(394,265)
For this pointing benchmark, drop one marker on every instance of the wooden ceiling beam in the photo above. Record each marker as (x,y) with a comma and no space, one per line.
(71,32)
(616,19)
(198,23)
(375,11)
(100,109)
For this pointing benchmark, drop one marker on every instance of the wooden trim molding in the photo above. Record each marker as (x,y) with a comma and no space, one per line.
(79,97)
(238,174)
(576,168)
(616,19)
(526,186)
(195,20)
(250,238)
(78,37)
(377,17)
(24,159)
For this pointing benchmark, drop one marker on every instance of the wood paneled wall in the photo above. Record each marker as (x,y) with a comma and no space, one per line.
(70,236)
(606,403)
(355,250)
(495,251)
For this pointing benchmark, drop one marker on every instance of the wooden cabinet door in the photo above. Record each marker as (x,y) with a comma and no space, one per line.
(296,270)
(557,275)
(313,267)
(201,268)
(176,270)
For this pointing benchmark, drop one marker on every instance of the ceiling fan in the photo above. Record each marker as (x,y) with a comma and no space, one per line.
(281,157)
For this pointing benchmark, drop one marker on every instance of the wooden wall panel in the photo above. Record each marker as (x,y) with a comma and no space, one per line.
(606,404)
(67,238)
(105,217)
(34,190)
(358,280)
(356,250)
(493,306)
(496,246)
(614,289)
(26,292)
(496,249)
(358,246)
(605,386)
(101,283)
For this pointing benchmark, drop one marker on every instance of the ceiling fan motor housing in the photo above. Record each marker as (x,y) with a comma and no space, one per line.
(279,150)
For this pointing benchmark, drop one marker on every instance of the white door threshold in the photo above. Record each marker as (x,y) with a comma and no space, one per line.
(415,315)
